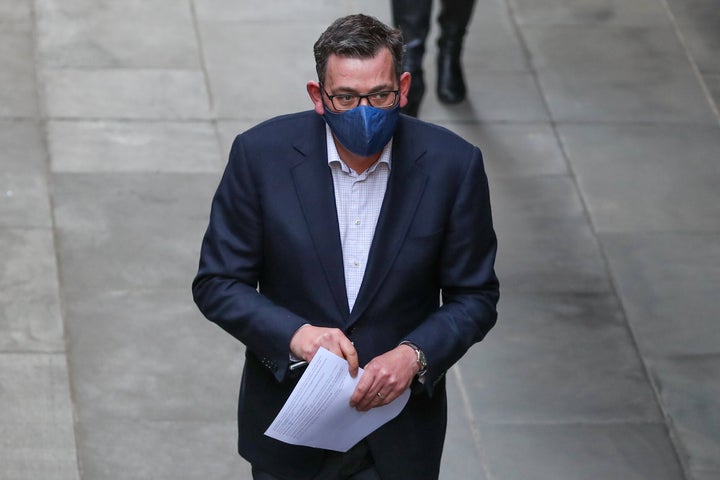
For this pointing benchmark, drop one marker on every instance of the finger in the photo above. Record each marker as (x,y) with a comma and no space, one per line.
(375,397)
(331,339)
(363,394)
(350,354)
(383,383)
(369,385)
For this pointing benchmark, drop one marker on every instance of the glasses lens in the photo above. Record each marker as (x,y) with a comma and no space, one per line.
(345,102)
(382,99)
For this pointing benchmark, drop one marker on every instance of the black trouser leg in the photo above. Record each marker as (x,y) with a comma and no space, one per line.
(355,464)
(412,17)
(454,18)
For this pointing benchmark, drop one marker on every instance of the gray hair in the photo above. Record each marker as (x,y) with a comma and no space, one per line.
(357,36)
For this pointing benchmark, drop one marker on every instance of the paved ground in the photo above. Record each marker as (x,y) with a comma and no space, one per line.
(600,127)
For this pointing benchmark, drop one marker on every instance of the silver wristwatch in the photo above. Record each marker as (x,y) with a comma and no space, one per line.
(421,360)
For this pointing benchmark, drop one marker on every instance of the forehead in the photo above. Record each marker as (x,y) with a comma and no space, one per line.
(360,73)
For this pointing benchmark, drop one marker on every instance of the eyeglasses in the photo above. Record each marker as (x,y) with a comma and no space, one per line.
(347,101)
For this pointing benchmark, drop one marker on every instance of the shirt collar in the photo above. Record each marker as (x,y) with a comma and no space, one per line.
(334,156)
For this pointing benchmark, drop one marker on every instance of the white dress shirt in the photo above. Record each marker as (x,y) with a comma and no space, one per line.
(358,199)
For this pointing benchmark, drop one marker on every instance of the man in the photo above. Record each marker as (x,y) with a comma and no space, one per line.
(339,228)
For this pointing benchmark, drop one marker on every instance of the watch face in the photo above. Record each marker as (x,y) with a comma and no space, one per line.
(420,356)
(421,359)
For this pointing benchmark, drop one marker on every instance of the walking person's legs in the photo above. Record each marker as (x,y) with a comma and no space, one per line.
(412,17)
(453,19)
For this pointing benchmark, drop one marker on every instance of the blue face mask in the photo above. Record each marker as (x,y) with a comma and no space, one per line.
(364,130)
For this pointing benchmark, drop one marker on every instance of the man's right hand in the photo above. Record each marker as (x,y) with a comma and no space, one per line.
(308,339)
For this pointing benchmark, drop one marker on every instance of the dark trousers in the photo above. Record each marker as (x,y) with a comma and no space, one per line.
(355,464)
(413,18)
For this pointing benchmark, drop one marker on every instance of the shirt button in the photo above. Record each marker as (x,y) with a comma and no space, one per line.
(357,264)
(357,221)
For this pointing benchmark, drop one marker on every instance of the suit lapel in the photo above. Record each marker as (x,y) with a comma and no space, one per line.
(403,194)
(314,186)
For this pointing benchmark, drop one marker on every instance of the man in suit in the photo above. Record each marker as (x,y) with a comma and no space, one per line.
(340,228)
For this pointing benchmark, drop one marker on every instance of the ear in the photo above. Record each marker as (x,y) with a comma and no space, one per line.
(405,80)
(315,93)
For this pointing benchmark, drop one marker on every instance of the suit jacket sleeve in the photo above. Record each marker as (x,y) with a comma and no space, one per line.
(225,288)
(470,289)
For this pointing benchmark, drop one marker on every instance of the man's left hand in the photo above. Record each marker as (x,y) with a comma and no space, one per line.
(385,378)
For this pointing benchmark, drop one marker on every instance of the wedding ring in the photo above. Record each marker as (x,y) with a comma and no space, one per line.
(380,395)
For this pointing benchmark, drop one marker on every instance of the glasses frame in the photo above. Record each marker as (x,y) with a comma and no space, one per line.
(360,97)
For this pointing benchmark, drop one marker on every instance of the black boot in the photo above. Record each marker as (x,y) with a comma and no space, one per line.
(451,84)
(453,20)
(412,17)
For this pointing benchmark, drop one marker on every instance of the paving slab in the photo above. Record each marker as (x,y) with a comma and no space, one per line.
(230,86)
(261,11)
(133,146)
(157,358)
(17,76)
(22,146)
(172,450)
(232,45)
(24,201)
(228,130)
(698,22)
(491,43)
(104,33)
(545,240)
(168,94)
(240,92)
(668,283)
(23,180)
(105,243)
(36,425)
(30,319)
(590,12)
(567,358)
(713,84)
(514,149)
(690,389)
(647,177)
(463,452)
(16,12)
(631,451)
(602,48)
(492,97)
(626,96)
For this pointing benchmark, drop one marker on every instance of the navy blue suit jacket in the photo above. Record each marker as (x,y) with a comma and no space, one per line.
(271,261)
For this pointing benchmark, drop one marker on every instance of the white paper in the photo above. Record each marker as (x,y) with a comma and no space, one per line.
(318,413)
